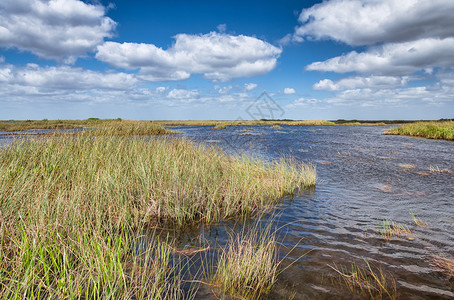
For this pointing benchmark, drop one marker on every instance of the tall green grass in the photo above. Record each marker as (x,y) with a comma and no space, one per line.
(248,267)
(432,130)
(72,209)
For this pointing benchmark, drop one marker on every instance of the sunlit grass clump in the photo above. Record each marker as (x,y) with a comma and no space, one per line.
(72,209)
(389,229)
(248,267)
(124,179)
(431,130)
(368,281)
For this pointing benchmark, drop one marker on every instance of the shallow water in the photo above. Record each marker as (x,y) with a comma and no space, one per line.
(364,178)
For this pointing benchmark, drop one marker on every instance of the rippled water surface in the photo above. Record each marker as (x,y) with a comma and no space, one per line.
(364,178)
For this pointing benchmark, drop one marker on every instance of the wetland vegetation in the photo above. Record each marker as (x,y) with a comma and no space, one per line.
(74,208)
(431,130)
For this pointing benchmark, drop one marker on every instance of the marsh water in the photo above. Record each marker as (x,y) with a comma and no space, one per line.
(364,178)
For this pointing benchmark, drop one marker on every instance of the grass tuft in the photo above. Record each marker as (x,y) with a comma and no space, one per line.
(432,130)
(367,281)
(389,229)
(443,265)
(248,267)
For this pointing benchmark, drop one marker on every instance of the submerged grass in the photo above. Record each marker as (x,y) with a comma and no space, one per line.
(248,268)
(389,229)
(443,265)
(72,208)
(432,130)
(368,281)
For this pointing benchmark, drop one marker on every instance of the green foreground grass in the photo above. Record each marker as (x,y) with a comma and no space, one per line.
(432,130)
(72,209)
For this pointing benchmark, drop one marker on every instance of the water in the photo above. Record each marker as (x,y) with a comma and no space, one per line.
(364,178)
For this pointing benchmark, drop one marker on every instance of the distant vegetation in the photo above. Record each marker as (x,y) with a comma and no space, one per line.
(432,130)
(94,126)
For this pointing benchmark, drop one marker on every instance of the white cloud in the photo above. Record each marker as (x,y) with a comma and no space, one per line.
(250,86)
(217,56)
(64,78)
(360,82)
(161,89)
(394,58)
(289,91)
(57,29)
(366,22)
(302,102)
(183,94)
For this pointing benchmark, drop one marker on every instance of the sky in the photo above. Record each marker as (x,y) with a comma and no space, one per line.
(213,60)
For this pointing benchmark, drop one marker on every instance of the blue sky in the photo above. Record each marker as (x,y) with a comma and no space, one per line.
(349,59)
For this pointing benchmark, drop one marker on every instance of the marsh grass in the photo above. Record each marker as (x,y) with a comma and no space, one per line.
(248,267)
(276,127)
(220,126)
(436,169)
(443,265)
(127,128)
(72,207)
(431,130)
(367,281)
(96,126)
(418,221)
(389,229)
(245,122)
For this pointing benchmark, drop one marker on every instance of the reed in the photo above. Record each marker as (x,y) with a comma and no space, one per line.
(368,281)
(248,268)
(432,130)
(443,265)
(389,229)
(418,221)
(103,127)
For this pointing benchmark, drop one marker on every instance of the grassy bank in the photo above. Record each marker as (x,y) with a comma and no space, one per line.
(432,130)
(244,122)
(72,209)
(102,126)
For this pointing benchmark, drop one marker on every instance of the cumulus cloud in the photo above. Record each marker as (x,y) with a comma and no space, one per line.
(366,22)
(250,86)
(289,91)
(182,94)
(360,82)
(217,56)
(63,78)
(56,29)
(393,58)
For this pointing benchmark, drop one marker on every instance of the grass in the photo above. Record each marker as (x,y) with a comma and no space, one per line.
(248,268)
(443,265)
(220,126)
(73,206)
(276,127)
(418,221)
(368,281)
(432,130)
(389,229)
(93,126)
(244,122)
